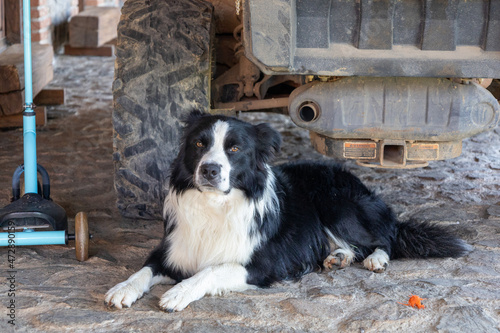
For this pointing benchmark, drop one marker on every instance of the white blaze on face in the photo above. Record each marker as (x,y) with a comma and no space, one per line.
(217,155)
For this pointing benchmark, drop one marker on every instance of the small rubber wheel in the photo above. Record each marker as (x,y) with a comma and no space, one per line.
(81,236)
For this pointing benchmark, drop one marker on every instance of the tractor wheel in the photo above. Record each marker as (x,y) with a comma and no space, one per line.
(162,73)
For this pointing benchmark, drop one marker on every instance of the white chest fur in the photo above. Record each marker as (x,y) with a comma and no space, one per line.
(210,229)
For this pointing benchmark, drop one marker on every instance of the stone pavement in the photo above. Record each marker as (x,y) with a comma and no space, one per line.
(56,293)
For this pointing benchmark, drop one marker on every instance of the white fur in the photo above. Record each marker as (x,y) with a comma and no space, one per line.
(269,203)
(213,280)
(127,292)
(342,256)
(212,228)
(217,155)
(377,261)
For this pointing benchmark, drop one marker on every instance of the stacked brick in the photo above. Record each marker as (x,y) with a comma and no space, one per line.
(101,2)
(40,22)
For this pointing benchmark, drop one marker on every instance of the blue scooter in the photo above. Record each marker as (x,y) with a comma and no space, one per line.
(33,210)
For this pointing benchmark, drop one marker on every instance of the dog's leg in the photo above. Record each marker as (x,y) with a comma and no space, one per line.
(213,280)
(377,261)
(340,257)
(343,256)
(127,292)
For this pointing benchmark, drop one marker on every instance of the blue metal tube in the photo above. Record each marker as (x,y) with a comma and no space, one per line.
(30,172)
(29,120)
(33,238)
(27,52)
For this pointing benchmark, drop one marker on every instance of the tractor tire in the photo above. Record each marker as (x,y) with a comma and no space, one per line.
(162,72)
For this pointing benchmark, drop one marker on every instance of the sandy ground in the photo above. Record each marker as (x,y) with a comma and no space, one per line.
(56,293)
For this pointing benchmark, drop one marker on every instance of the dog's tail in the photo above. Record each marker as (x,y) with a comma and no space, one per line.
(424,240)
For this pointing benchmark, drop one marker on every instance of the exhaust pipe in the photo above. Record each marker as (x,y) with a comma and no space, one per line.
(423,109)
(308,111)
(392,122)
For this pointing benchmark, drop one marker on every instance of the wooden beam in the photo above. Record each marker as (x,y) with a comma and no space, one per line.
(111,42)
(9,75)
(94,26)
(13,21)
(16,120)
(103,51)
(54,96)
(12,75)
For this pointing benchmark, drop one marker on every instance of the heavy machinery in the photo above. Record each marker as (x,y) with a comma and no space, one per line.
(388,83)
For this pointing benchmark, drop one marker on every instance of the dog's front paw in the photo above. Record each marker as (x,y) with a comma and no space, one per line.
(122,295)
(127,292)
(339,257)
(377,261)
(176,299)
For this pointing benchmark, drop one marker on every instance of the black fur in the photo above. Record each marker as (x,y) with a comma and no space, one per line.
(312,196)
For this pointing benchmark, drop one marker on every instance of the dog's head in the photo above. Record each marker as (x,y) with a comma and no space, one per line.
(220,153)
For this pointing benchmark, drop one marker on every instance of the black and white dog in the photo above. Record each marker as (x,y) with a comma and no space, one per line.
(233,222)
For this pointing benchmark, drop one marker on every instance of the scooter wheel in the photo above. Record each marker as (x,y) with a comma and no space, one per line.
(81,236)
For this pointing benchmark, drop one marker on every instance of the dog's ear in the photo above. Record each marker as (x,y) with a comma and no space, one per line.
(192,117)
(269,144)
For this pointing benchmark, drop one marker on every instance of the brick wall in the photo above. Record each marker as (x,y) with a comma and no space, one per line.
(49,18)
(74,7)
(102,2)
(40,22)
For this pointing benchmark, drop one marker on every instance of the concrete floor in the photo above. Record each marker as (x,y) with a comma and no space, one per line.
(56,293)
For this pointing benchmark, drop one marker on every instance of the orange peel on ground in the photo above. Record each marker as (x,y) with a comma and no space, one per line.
(415,302)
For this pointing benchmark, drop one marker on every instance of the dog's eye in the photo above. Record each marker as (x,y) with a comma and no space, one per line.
(199,144)
(234,149)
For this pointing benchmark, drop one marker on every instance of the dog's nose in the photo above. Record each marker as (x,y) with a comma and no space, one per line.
(210,171)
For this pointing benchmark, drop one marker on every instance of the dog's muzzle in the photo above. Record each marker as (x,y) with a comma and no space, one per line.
(209,175)
(210,172)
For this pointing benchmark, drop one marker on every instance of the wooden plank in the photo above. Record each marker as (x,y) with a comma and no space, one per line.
(16,120)
(12,75)
(111,42)
(11,102)
(94,26)
(9,78)
(103,51)
(54,96)
(13,21)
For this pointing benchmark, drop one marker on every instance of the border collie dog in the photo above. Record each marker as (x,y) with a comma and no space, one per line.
(233,222)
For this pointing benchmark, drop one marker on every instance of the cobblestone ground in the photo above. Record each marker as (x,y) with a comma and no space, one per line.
(56,293)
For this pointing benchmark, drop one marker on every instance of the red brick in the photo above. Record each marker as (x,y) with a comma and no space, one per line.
(94,2)
(102,2)
(37,12)
(36,3)
(39,24)
(41,36)
(74,11)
